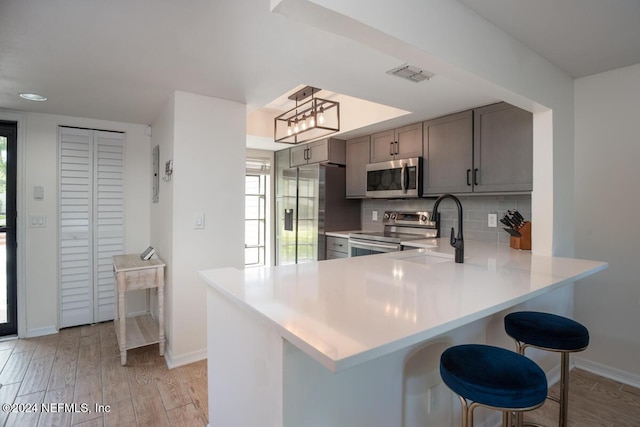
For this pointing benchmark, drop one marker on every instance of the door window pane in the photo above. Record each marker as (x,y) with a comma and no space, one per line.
(255,219)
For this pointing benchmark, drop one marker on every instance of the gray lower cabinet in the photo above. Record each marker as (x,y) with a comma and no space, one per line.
(337,247)
(448,154)
(485,150)
(502,149)
(358,153)
(400,143)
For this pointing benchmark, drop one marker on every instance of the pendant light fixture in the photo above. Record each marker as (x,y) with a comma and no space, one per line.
(308,120)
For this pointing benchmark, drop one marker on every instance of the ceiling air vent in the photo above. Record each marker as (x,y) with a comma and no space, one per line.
(409,72)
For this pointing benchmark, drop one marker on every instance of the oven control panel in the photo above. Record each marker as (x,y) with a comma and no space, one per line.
(423,218)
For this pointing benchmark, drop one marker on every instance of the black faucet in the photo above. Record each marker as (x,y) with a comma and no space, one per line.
(456,242)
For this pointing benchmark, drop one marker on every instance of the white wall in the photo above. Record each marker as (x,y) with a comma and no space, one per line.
(209,138)
(607,155)
(40,167)
(162,135)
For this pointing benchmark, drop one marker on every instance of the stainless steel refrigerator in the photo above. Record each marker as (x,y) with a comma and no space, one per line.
(310,200)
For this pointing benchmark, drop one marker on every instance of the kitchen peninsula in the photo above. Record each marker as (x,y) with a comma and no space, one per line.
(327,343)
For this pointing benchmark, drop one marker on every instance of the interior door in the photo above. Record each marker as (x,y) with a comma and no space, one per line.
(8,246)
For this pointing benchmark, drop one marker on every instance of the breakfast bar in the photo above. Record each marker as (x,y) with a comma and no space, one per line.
(330,343)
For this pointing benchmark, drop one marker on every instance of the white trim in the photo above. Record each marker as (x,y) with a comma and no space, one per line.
(21,287)
(38,332)
(615,374)
(184,359)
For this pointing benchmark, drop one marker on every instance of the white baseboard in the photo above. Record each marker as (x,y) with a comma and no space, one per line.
(608,372)
(38,332)
(183,359)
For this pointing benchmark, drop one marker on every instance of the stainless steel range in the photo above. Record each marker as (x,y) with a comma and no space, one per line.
(398,227)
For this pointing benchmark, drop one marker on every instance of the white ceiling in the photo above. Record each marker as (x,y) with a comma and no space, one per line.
(121,60)
(581,37)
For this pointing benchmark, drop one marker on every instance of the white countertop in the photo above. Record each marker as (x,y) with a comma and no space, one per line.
(344,234)
(347,311)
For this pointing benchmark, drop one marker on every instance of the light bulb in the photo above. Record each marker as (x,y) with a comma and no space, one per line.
(304,123)
(312,120)
(296,129)
(321,116)
(289,130)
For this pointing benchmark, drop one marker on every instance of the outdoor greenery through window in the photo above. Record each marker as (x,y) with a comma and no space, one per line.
(255,218)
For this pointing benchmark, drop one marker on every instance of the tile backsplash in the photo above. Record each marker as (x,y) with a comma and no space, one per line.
(475,214)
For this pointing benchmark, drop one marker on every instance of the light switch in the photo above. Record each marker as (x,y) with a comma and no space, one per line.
(198,222)
(38,192)
(37,221)
(374,216)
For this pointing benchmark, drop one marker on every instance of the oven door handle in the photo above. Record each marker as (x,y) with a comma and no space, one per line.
(369,245)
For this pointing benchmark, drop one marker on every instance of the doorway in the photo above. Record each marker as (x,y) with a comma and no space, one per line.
(8,246)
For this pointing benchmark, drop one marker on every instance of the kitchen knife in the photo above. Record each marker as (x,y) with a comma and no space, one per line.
(514,233)
(505,222)
(510,223)
(519,217)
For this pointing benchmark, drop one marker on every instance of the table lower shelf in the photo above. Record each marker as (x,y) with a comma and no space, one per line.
(140,331)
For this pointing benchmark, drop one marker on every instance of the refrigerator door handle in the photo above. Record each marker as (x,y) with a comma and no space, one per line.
(288,219)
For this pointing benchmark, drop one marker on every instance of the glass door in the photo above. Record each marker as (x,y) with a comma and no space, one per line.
(308,209)
(286,209)
(8,266)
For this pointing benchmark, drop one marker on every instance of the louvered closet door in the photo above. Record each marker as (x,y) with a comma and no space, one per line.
(108,208)
(91,223)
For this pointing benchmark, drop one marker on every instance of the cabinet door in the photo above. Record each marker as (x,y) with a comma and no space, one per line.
(357,159)
(382,146)
(318,151)
(298,155)
(448,144)
(503,149)
(408,141)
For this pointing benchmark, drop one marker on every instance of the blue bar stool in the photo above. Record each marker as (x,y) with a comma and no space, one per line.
(493,377)
(552,333)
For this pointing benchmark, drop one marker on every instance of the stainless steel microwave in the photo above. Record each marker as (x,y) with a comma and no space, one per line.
(400,178)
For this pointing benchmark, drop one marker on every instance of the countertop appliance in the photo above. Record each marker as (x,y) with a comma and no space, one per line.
(398,227)
(310,200)
(400,178)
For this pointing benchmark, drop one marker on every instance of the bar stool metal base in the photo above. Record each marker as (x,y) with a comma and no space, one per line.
(549,332)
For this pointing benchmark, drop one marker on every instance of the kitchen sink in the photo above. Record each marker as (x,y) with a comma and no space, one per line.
(429,259)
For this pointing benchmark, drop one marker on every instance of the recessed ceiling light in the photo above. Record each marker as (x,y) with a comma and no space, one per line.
(33,97)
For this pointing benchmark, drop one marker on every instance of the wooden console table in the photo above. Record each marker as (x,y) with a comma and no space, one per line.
(132,273)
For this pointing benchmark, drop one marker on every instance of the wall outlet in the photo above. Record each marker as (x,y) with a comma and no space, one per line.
(374,215)
(492,220)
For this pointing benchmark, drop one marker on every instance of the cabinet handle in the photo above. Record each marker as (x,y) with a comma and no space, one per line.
(468,172)
(397,150)
(308,154)
(391,148)
(475,176)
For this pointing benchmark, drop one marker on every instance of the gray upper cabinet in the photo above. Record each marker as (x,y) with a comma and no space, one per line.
(502,149)
(401,143)
(485,150)
(357,160)
(448,155)
(330,150)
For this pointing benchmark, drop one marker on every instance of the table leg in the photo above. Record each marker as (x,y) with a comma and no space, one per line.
(160,281)
(122,316)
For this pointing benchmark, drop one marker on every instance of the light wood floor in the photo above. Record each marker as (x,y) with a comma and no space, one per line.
(593,401)
(82,365)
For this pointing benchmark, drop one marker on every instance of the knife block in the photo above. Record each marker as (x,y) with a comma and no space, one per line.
(524,241)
